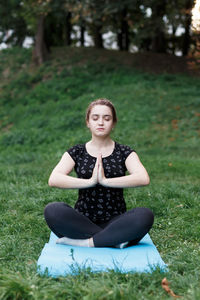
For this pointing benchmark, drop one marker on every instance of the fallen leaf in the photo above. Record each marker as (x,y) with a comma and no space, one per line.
(165,286)
(172,139)
(174,124)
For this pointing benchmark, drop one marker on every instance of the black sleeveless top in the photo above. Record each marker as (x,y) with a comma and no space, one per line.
(99,203)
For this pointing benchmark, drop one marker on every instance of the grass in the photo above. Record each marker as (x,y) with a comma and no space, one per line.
(42,115)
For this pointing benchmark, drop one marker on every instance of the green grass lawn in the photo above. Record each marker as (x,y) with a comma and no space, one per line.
(42,115)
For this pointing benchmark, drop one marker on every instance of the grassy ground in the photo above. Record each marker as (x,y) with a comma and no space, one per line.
(42,114)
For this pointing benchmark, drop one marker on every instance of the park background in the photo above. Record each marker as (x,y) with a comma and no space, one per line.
(59,56)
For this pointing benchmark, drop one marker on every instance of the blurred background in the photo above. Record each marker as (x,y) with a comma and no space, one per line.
(131,25)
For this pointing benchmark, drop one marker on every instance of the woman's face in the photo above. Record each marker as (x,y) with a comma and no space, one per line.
(100,120)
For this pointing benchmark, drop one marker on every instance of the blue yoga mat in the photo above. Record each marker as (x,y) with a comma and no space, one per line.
(60,260)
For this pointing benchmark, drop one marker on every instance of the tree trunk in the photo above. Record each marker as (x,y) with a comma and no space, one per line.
(125,31)
(187,38)
(20,32)
(123,34)
(68,29)
(98,40)
(82,38)
(39,51)
(119,40)
(173,48)
(159,41)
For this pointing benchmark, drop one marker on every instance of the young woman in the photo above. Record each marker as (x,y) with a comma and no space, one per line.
(99,218)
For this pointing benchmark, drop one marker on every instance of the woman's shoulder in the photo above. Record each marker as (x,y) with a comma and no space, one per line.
(125,150)
(76,151)
(123,147)
(76,148)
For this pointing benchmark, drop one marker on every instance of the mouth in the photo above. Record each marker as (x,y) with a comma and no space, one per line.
(100,129)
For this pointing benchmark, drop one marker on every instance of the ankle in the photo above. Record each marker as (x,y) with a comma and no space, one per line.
(91,242)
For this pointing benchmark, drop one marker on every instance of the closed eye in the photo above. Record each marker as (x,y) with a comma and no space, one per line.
(106,117)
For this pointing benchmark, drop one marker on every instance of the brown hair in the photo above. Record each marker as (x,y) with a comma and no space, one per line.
(101,101)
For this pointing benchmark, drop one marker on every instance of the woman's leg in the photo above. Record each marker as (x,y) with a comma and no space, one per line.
(130,226)
(65,221)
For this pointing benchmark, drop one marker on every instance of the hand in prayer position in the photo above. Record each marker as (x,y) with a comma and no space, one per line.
(98,175)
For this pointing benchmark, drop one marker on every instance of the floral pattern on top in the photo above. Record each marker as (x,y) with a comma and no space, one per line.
(100,204)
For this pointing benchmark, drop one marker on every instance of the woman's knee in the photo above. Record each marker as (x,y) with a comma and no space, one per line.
(52,209)
(145,215)
(48,209)
(148,216)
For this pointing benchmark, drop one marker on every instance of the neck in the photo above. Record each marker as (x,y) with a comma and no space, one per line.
(100,142)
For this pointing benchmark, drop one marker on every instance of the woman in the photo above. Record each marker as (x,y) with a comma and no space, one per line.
(99,218)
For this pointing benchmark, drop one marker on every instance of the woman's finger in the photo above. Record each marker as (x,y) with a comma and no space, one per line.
(100,158)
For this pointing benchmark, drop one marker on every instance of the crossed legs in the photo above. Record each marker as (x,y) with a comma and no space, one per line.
(131,226)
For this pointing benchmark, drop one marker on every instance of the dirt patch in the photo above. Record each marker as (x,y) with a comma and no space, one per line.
(7,127)
(6,73)
(155,62)
(146,61)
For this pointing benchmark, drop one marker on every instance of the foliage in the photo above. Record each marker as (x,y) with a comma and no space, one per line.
(152,25)
(13,27)
(42,114)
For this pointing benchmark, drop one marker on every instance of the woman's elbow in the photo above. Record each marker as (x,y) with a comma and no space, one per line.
(146,180)
(51,182)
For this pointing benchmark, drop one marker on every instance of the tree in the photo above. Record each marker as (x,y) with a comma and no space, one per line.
(150,25)
(58,25)
(187,25)
(158,40)
(93,15)
(34,13)
(13,27)
(179,16)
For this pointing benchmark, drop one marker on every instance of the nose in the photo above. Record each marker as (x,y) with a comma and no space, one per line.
(100,121)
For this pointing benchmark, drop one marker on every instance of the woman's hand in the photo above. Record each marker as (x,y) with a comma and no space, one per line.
(98,175)
(101,175)
(94,178)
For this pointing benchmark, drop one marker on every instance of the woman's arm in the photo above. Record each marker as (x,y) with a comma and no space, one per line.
(60,178)
(138,174)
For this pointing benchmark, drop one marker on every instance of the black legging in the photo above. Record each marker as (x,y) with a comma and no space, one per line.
(131,226)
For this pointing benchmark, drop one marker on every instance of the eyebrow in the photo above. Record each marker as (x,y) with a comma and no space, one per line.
(96,115)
